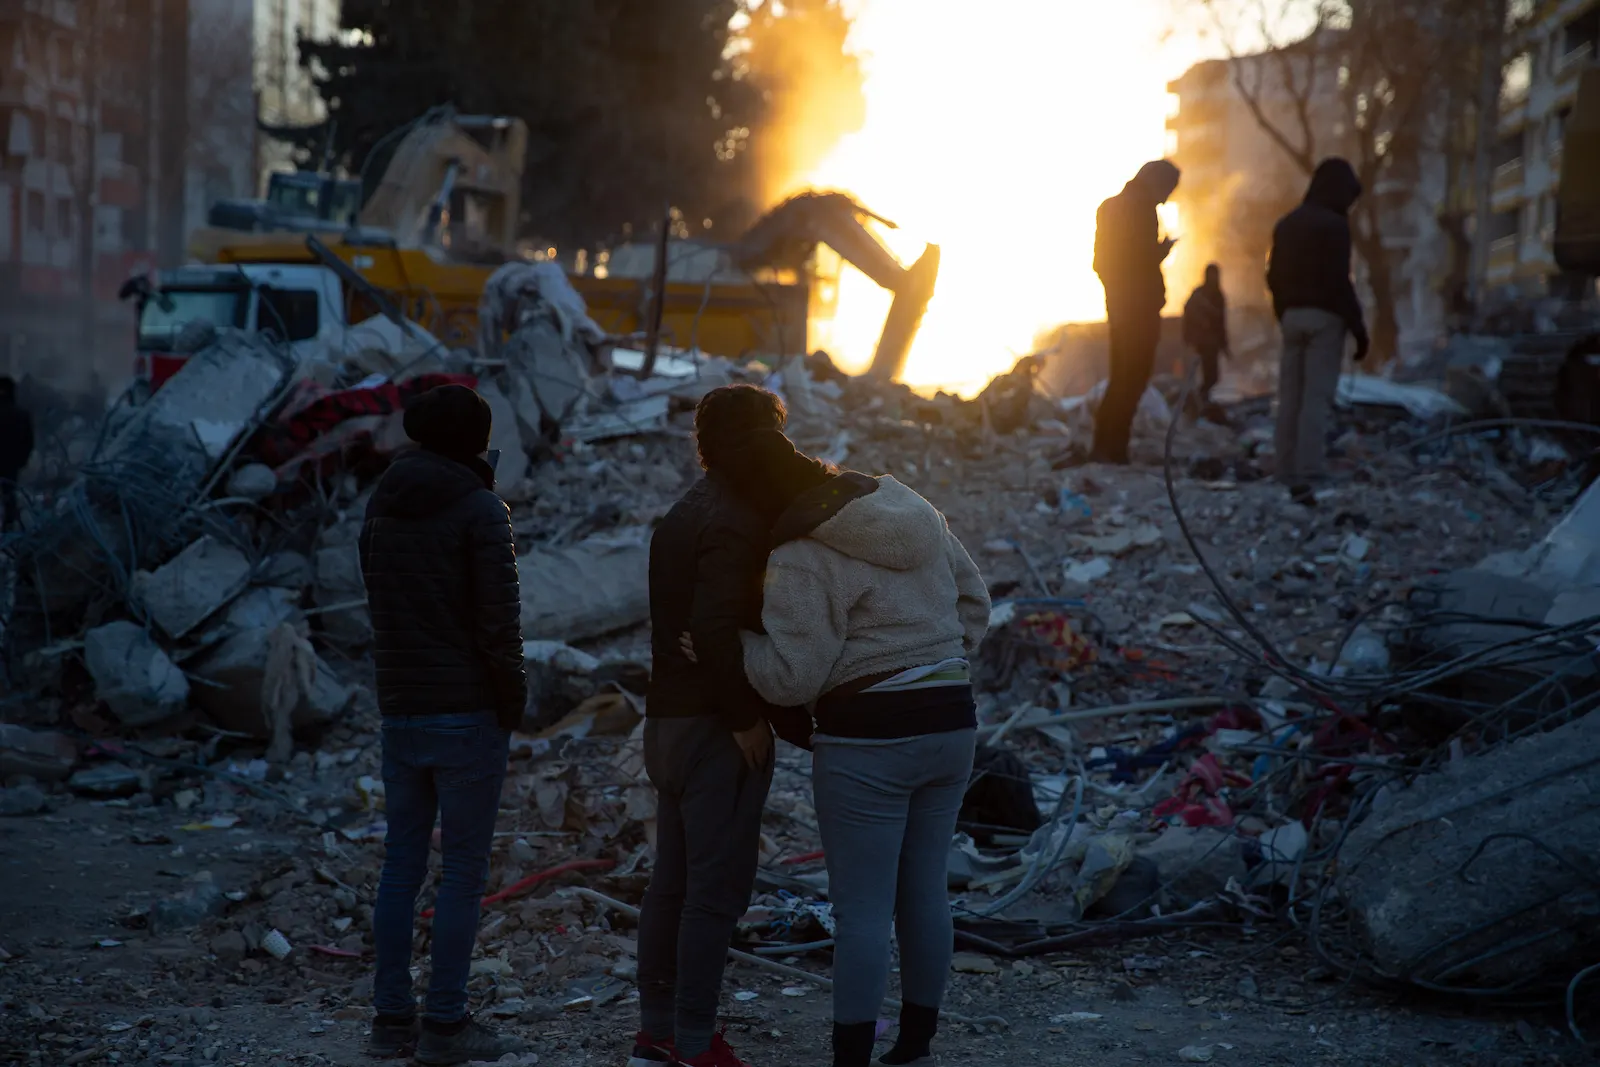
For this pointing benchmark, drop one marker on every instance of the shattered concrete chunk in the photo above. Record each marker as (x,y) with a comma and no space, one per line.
(237,671)
(107,780)
(133,677)
(589,589)
(253,481)
(340,590)
(192,586)
(1512,832)
(44,755)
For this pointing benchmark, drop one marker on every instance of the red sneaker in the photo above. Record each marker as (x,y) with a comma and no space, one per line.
(718,1055)
(648,1052)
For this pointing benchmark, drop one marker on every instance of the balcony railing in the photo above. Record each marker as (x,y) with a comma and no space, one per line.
(1503,253)
(1575,60)
(1508,176)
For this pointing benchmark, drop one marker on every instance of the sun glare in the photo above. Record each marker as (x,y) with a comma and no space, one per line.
(994,131)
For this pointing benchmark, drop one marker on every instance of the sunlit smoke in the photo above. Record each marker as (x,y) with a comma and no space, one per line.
(995,132)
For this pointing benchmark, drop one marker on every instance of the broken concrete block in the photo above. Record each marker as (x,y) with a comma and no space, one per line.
(170,445)
(586,590)
(107,780)
(341,588)
(511,473)
(44,755)
(192,586)
(23,800)
(253,481)
(290,570)
(236,671)
(1506,840)
(1195,862)
(133,677)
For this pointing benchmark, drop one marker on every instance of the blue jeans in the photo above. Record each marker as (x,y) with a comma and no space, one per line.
(452,767)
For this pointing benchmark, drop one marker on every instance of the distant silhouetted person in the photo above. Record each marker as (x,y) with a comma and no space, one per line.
(1315,300)
(16,448)
(1128,253)
(1205,328)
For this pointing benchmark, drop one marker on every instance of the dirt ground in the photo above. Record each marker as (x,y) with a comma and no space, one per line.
(79,986)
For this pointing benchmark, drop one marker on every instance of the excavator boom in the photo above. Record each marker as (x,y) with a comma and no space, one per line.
(786,236)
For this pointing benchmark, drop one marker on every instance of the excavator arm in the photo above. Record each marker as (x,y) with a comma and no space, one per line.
(787,235)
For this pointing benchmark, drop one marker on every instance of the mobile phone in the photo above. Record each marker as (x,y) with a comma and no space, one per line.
(492,457)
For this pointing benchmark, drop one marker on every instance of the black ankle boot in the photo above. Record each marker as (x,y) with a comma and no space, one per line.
(852,1044)
(914,1042)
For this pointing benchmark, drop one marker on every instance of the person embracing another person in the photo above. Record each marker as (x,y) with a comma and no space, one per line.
(871,608)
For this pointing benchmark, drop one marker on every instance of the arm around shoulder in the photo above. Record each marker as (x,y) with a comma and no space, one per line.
(804,613)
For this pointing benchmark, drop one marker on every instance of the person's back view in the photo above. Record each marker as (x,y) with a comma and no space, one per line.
(1205,328)
(1315,301)
(440,565)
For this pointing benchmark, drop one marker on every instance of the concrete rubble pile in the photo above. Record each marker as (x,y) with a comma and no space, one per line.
(1153,755)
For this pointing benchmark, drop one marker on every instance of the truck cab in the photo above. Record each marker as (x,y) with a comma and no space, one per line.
(299,306)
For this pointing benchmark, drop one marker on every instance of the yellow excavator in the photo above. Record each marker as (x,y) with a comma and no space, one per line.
(444,214)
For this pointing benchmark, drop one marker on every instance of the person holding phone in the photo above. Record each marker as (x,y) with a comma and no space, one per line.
(1128,253)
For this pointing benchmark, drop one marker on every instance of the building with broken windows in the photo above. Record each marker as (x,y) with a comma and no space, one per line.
(1540,81)
(121,121)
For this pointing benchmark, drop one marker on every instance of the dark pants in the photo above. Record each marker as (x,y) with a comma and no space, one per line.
(10,515)
(708,834)
(1134,331)
(452,767)
(1210,371)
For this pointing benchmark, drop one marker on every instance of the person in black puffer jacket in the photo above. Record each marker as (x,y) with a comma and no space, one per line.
(440,565)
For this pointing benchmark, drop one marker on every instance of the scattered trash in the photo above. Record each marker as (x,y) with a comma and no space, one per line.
(276,945)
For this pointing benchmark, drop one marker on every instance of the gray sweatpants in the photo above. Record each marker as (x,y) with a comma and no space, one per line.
(887,811)
(1308,377)
(708,835)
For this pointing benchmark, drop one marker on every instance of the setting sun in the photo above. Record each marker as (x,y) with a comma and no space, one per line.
(995,138)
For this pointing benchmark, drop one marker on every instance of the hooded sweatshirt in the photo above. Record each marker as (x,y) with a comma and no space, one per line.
(440,565)
(1127,241)
(1310,262)
(866,581)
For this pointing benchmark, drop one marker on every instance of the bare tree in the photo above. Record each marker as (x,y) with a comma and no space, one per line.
(1371,80)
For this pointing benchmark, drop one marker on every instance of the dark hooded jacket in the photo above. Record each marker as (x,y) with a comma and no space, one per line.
(440,564)
(1127,242)
(1205,320)
(1310,262)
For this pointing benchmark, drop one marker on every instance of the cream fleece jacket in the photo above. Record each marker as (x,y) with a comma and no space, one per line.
(881,585)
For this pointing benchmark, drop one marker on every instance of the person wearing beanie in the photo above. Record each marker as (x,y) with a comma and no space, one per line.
(1128,253)
(440,565)
(707,738)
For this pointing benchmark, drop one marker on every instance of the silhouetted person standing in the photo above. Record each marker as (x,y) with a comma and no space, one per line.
(1316,305)
(1205,328)
(16,448)
(1128,253)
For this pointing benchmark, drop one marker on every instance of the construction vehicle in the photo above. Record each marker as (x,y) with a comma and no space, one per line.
(296,200)
(453,183)
(443,215)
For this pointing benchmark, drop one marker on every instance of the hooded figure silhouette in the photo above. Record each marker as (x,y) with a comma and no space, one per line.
(1128,253)
(1315,300)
